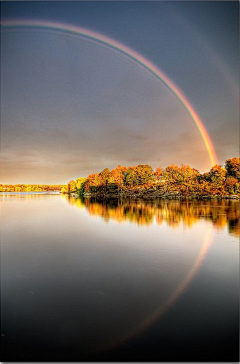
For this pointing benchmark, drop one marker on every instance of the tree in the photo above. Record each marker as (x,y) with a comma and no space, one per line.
(233,167)
(118,176)
(182,179)
(231,185)
(158,173)
(131,178)
(79,181)
(92,182)
(80,185)
(104,177)
(145,174)
(213,181)
(72,186)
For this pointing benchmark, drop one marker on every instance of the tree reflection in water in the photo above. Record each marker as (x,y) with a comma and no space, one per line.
(173,212)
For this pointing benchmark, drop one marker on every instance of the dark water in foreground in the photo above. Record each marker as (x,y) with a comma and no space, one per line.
(119,281)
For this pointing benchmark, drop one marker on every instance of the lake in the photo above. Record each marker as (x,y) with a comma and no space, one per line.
(119,280)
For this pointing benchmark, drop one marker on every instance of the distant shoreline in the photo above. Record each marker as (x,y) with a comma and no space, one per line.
(30,192)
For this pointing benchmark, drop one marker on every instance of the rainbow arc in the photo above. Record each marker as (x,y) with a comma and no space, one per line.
(131,54)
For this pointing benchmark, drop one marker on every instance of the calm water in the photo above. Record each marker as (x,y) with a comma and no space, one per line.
(119,281)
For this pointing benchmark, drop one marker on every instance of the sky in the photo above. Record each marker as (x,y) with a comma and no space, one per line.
(71,107)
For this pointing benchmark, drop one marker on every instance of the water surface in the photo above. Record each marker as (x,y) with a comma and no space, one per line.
(119,280)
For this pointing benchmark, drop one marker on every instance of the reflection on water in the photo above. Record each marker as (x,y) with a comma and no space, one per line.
(75,288)
(221,213)
(29,195)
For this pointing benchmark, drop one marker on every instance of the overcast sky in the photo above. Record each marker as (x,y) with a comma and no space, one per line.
(71,107)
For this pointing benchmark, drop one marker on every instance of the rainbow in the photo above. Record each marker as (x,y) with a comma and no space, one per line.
(131,54)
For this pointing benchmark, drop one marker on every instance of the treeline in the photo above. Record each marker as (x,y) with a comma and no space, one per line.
(29,188)
(143,181)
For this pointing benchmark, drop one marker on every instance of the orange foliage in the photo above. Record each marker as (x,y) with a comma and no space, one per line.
(30,188)
(221,213)
(183,180)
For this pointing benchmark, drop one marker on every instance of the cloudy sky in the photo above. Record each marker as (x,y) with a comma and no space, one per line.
(71,107)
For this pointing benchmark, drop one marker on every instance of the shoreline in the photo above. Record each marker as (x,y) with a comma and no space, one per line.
(149,196)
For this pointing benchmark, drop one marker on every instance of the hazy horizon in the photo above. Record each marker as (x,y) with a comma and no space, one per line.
(78,176)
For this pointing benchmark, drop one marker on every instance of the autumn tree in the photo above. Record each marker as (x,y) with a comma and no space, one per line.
(182,179)
(79,182)
(231,185)
(145,174)
(217,177)
(131,178)
(72,186)
(233,167)
(140,175)
(118,175)
(158,173)
(92,182)
(104,177)
(80,185)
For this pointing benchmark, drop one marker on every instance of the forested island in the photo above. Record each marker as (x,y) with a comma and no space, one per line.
(144,182)
(172,182)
